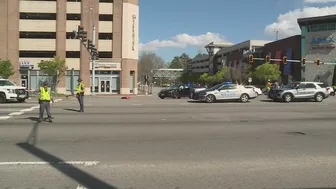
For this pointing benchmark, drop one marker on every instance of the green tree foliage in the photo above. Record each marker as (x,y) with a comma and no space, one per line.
(267,71)
(55,68)
(6,69)
(203,78)
(179,62)
(188,77)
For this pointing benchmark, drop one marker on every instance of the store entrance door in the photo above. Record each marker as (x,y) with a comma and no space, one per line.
(105,86)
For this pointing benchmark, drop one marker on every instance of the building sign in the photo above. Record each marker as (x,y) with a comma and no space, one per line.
(323,42)
(26,64)
(133,31)
(107,65)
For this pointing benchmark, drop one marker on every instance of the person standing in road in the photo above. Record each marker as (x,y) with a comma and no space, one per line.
(44,101)
(80,94)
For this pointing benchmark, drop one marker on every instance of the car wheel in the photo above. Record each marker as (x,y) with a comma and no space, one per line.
(210,98)
(2,98)
(244,98)
(287,97)
(162,97)
(319,97)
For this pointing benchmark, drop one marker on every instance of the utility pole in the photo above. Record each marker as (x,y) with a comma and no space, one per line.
(93,59)
(276,35)
(90,46)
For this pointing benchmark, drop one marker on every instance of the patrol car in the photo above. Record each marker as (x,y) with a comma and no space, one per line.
(227,92)
(10,92)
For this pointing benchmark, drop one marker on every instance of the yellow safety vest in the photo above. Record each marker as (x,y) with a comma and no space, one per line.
(45,94)
(79,88)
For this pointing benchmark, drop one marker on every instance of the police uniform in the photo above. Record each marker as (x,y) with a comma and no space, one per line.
(44,101)
(80,95)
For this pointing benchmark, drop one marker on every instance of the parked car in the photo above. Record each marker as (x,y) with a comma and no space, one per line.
(227,92)
(175,91)
(301,90)
(331,91)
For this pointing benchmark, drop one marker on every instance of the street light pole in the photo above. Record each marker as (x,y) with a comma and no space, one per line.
(92,57)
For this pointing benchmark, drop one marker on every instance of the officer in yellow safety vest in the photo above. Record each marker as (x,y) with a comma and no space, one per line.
(268,85)
(80,94)
(44,101)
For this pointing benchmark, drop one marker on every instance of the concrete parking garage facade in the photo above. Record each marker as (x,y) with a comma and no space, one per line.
(31,31)
(318,40)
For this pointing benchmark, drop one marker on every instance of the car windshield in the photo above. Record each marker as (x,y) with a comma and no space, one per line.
(173,87)
(6,83)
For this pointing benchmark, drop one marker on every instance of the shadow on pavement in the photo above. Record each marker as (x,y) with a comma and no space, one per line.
(76,174)
(36,119)
(279,101)
(71,110)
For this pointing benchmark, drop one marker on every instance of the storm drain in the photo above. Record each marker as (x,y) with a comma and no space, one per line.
(296,133)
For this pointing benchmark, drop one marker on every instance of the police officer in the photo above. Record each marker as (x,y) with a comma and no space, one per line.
(44,101)
(80,94)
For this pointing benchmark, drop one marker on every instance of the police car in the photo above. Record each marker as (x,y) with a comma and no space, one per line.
(227,91)
(10,92)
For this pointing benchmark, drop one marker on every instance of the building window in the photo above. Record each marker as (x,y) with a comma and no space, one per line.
(105,1)
(70,35)
(105,17)
(38,35)
(322,27)
(105,36)
(71,80)
(105,54)
(72,54)
(74,0)
(73,17)
(37,54)
(38,16)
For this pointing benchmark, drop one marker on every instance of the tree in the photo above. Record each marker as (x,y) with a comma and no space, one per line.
(267,71)
(240,74)
(188,77)
(176,63)
(148,63)
(203,78)
(6,69)
(55,68)
(179,62)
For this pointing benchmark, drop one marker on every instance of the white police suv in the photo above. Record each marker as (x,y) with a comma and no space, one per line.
(227,91)
(10,92)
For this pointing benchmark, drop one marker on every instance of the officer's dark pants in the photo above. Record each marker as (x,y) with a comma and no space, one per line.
(44,105)
(81,102)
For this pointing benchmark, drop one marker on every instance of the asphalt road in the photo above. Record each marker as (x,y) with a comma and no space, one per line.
(149,143)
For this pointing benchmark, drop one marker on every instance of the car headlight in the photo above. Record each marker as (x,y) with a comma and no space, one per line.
(11,90)
(201,94)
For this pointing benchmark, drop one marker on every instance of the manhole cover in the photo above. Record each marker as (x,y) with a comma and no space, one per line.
(296,133)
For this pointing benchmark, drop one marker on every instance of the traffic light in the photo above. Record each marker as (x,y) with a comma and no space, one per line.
(303,61)
(84,37)
(80,32)
(94,54)
(284,60)
(268,59)
(89,44)
(318,61)
(251,59)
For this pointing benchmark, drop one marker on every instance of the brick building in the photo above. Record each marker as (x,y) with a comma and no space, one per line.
(35,30)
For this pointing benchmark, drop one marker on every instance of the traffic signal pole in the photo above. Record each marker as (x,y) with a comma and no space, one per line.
(93,61)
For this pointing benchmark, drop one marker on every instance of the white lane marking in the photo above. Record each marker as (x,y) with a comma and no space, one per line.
(27,110)
(57,100)
(15,113)
(5,117)
(81,187)
(137,104)
(85,163)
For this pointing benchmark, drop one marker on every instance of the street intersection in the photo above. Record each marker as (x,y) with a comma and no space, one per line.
(149,143)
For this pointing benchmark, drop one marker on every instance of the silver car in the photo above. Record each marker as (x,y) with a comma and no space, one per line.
(227,92)
(302,90)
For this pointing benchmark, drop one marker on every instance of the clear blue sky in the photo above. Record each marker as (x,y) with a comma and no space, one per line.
(230,20)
